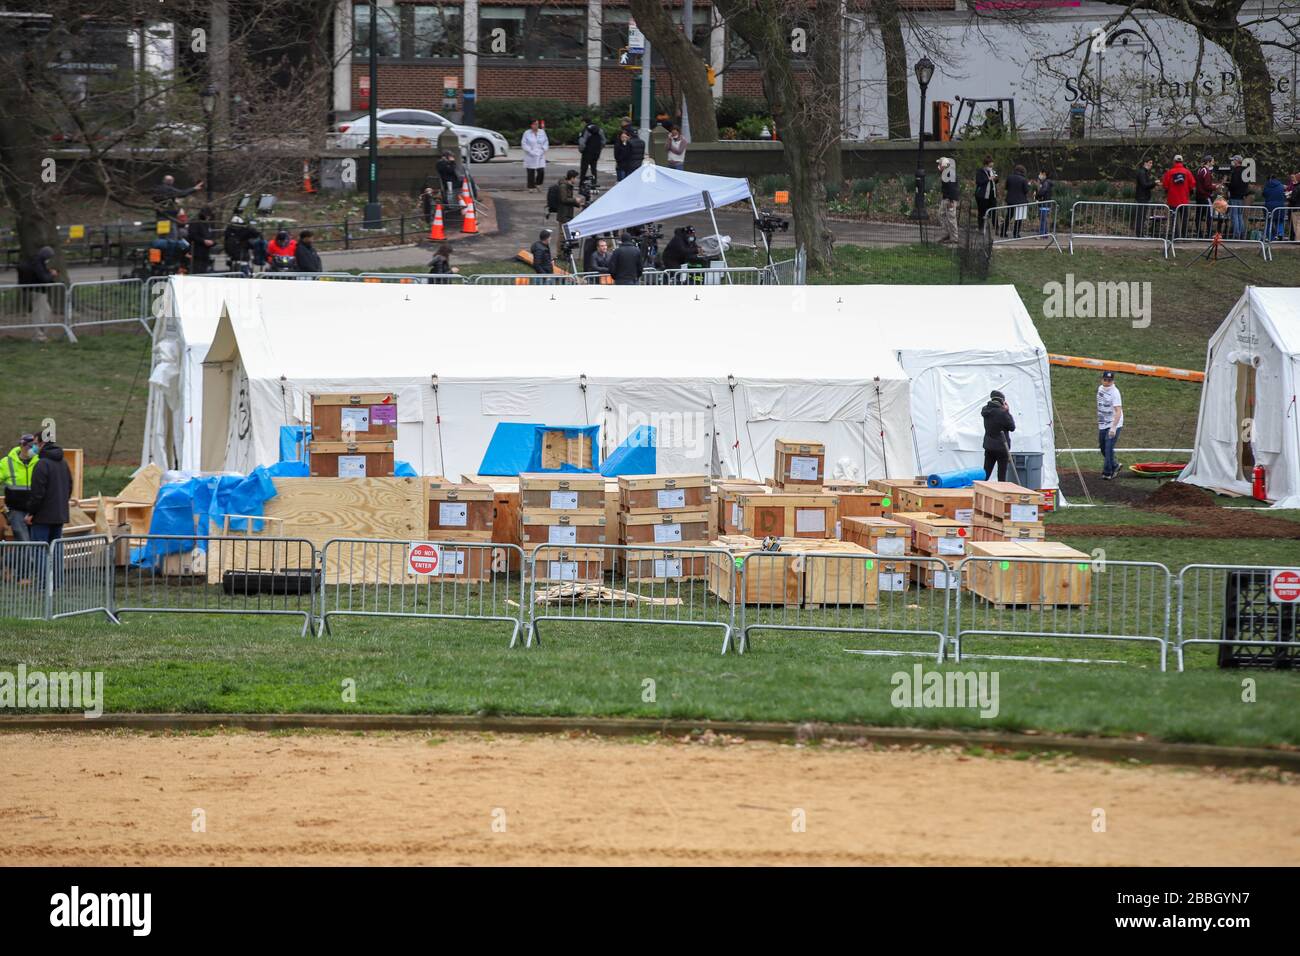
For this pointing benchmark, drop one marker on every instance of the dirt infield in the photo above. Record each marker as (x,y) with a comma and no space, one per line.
(124,798)
(1201,515)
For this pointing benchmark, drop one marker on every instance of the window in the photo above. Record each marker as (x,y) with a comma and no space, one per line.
(388,29)
(533,33)
(432,30)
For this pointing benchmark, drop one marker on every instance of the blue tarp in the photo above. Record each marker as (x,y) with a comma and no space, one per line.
(591,432)
(404,469)
(635,456)
(293,442)
(200,506)
(510,449)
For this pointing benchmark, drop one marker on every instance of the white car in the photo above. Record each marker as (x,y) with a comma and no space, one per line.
(482,144)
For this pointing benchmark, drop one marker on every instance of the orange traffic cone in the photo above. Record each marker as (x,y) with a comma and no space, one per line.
(468,221)
(466,198)
(307,186)
(436,231)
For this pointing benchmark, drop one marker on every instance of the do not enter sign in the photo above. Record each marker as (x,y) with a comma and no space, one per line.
(1284,586)
(423,558)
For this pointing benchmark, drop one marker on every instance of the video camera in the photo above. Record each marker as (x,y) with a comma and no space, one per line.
(588,188)
(770,223)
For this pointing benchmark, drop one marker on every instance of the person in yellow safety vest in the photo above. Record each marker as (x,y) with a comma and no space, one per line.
(16,471)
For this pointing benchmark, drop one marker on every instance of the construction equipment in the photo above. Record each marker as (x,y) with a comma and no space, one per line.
(992,118)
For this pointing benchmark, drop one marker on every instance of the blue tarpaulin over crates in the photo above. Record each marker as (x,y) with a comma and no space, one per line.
(589,433)
(635,456)
(199,506)
(294,440)
(516,447)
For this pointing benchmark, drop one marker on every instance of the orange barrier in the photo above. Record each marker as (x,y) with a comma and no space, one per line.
(1132,368)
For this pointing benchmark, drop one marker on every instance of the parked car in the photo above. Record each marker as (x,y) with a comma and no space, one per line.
(482,144)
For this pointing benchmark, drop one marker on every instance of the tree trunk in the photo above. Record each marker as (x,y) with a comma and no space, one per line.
(891,37)
(657,21)
(826,55)
(1256,83)
(25,162)
(805,133)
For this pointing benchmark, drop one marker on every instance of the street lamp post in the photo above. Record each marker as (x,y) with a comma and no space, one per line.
(924,70)
(209,100)
(373,214)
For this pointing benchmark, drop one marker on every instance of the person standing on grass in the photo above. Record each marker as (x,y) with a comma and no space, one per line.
(16,472)
(1110,421)
(1205,187)
(535,146)
(566,206)
(950,193)
(1238,196)
(48,502)
(986,191)
(543,264)
(1177,183)
(998,426)
(1274,196)
(1144,185)
(1043,196)
(1018,200)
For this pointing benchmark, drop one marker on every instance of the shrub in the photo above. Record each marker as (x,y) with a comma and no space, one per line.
(772,182)
(833,191)
(731,110)
(751,127)
(862,187)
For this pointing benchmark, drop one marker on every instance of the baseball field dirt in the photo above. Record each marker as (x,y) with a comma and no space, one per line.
(409,798)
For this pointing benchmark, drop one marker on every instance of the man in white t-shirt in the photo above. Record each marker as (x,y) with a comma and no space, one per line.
(1110,420)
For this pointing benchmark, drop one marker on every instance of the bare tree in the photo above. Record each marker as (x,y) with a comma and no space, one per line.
(657,21)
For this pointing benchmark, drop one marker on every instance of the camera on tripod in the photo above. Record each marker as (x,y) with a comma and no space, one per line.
(587,187)
(770,223)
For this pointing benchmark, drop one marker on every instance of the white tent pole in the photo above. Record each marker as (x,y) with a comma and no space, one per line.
(766,247)
(708,203)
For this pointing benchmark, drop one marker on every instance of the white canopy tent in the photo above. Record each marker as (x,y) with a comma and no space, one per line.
(1248,410)
(653,193)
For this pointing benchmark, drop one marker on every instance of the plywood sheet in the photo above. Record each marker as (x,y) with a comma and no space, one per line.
(143,486)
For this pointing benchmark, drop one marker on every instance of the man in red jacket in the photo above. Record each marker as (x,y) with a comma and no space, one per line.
(1177,183)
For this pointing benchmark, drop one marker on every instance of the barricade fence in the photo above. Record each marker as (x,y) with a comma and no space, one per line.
(107,302)
(1284,226)
(413,278)
(926,606)
(211,574)
(1249,612)
(445,580)
(1046,600)
(1120,221)
(1023,221)
(35,307)
(1200,222)
(650,583)
(904,599)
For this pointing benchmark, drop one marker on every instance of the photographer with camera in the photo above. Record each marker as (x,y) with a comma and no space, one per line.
(566,205)
(682,249)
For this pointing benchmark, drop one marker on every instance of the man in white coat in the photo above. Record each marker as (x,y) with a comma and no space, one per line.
(535,144)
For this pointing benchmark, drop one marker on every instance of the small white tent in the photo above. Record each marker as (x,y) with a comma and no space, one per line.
(1248,401)
(653,193)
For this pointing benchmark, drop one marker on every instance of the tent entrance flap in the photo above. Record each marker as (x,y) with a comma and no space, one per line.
(1245,413)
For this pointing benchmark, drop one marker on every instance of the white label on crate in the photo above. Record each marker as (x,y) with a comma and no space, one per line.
(453,562)
(735,515)
(1024,512)
(352,466)
(946,579)
(671,498)
(562,570)
(668,568)
(667,532)
(892,546)
(809,519)
(561,534)
(893,580)
(564,500)
(453,514)
(952,545)
(803,468)
(964,515)
(839,532)
(355,419)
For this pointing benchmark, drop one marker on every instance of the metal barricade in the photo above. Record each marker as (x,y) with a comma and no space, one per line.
(310,276)
(107,302)
(523,278)
(1120,221)
(630,584)
(1240,606)
(413,278)
(82,573)
(739,275)
(1052,598)
(442,580)
(1283,227)
(226,574)
(845,592)
(24,580)
(1037,221)
(34,307)
(1198,222)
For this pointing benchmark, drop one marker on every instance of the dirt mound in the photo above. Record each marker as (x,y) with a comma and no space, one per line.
(1175,494)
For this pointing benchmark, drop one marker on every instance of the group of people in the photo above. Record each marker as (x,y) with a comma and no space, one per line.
(1203,203)
(629,150)
(1017,193)
(37,486)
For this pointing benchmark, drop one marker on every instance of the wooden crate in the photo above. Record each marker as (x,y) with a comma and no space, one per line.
(567,528)
(372,416)
(941,537)
(464,564)
(76,459)
(892,576)
(784,515)
(581,565)
(562,492)
(1009,583)
(862,502)
(647,494)
(768,579)
(1010,502)
(956,503)
(926,574)
(361,460)
(466,511)
(891,486)
(799,464)
(728,512)
(882,536)
(505,510)
(988,528)
(649,565)
(830,579)
(560,449)
(665,528)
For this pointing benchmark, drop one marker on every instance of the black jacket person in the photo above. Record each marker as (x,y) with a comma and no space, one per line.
(47,503)
(625,262)
(998,425)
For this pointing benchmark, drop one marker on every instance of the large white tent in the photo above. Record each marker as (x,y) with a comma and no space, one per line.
(721,371)
(1248,402)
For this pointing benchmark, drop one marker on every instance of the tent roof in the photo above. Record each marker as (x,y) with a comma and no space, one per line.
(654,193)
(324,330)
(958,318)
(1280,309)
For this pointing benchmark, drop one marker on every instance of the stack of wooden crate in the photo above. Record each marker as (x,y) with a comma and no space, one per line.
(353,436)
(663,512)
(726,494)
(461,512)
(800,465)
(934,536)
(828,573)
(858,500)
(1007,512)
(566,511)
(955,503)
(1064,580)
(784,514)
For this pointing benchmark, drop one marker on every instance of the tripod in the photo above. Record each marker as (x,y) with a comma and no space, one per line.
(1212,252)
